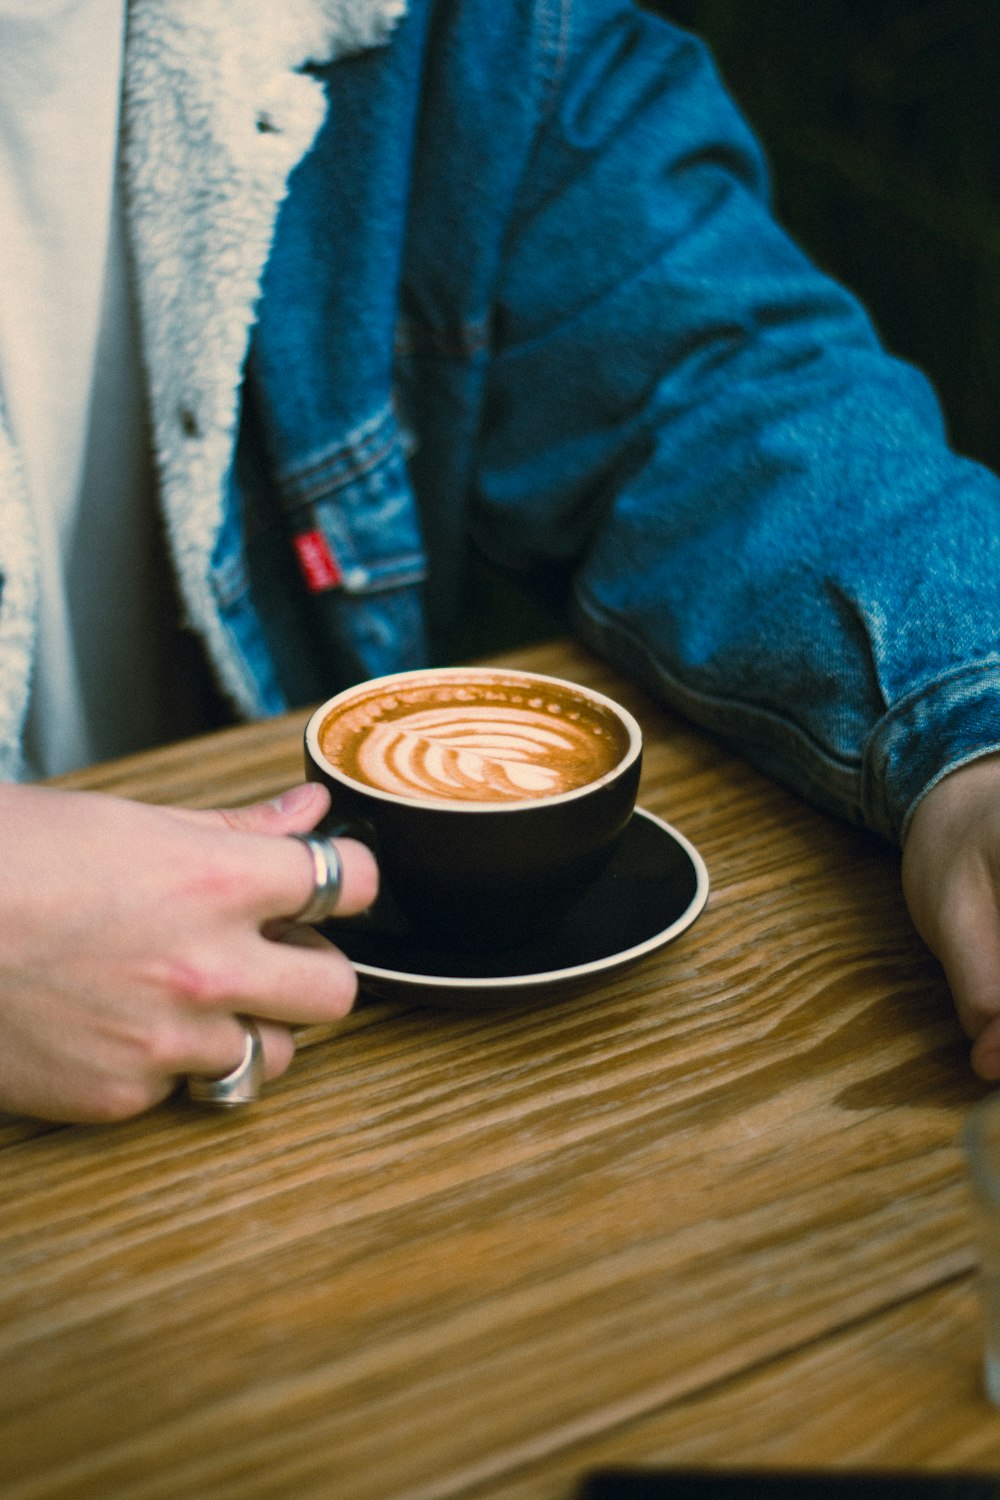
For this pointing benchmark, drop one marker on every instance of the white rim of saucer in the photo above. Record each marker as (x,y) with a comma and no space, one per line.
(665,935)
(447,804)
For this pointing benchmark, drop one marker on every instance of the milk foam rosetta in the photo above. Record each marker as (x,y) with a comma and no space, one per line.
(475,739)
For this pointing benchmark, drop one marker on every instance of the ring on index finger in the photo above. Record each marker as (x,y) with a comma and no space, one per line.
(328,877)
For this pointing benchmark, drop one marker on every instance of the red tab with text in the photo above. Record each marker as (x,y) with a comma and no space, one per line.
(320,568)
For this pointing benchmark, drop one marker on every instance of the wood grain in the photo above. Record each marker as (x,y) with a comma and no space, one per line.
(713,1209)
(902,1391)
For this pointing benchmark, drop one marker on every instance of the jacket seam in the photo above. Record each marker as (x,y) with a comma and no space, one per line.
(357,455)
(554,26)
(711,710)
(468,341)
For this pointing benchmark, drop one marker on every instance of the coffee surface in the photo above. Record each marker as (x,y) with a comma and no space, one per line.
(473,738)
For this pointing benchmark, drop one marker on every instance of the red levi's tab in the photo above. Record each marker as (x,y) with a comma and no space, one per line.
(320,568)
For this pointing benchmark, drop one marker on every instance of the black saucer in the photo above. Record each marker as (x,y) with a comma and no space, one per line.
(651,892)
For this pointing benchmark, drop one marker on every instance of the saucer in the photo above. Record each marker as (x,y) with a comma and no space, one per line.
(653,889)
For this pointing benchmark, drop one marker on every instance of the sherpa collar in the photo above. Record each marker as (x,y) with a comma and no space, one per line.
(217,113)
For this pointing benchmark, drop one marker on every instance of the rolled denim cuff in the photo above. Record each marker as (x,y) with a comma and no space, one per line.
(946,724)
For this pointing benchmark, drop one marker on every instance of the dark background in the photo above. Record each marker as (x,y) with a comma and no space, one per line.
(881,123)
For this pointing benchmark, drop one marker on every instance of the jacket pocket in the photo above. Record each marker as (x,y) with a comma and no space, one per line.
(337,563)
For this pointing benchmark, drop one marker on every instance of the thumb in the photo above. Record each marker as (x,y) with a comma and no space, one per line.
(296,811)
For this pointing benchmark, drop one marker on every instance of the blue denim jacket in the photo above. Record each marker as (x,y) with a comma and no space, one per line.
(527,299)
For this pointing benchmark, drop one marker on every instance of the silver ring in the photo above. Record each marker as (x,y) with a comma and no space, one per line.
(328,876)
(242,1085)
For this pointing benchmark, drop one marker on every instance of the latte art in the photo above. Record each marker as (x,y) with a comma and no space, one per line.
(489,738)
(479,753)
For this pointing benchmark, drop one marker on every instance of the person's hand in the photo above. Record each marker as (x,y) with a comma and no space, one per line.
(131,937)
(951,880)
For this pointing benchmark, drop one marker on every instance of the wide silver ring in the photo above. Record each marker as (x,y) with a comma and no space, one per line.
(242,1085)
(328,876)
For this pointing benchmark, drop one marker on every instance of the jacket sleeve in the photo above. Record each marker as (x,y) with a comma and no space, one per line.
(762,514)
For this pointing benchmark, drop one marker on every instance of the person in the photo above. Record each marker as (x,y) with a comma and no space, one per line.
(406,291)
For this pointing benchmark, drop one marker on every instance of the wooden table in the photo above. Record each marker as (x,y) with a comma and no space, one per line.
(711,1212)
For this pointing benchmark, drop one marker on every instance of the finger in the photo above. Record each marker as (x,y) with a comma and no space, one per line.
(279,1048)
(295,984)
(972,970)
(268,878)
(218,1046)
(302,937)
(963,929)
(985,1056)
(295,811)
(359,877)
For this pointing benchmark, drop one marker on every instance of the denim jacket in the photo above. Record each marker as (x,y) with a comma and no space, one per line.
(500,279)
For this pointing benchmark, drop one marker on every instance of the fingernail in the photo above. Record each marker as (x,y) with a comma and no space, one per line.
(296,799)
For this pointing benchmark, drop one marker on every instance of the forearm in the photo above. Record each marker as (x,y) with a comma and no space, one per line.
(832,617)
(759,505)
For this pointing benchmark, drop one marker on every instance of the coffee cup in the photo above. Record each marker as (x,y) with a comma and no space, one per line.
(492,797)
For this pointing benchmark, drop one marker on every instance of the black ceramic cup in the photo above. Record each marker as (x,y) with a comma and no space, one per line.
(491,797)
